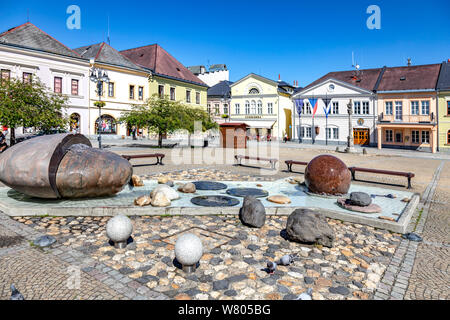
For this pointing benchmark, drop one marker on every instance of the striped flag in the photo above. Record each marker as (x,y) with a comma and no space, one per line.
(314,105)
(327,107)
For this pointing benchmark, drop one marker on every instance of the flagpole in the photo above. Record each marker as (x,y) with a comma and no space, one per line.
(313,129)
(326,119)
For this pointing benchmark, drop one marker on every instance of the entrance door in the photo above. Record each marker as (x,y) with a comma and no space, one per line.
(361,136)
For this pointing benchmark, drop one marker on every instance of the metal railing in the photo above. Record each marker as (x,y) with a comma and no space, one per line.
(407,118)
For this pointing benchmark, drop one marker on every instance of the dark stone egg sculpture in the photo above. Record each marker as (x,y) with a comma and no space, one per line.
(63,166)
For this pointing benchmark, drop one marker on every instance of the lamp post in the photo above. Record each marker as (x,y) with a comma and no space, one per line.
(99,76)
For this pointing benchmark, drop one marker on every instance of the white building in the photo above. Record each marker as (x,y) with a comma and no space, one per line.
(27,52)
(341,87)
(215,74)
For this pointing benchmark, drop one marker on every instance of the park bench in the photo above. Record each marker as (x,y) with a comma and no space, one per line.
(289,164)
(271,160)
(408,175)
(158,156)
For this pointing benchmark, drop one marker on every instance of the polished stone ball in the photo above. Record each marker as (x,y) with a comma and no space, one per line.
(327,175)
(188,249)
(119,228)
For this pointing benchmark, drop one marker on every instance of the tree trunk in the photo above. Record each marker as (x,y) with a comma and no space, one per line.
(12,137)
(160,139)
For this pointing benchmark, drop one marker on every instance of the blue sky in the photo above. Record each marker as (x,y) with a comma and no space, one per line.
(301,40)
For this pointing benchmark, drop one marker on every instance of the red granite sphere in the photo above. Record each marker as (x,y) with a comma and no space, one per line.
(327,175)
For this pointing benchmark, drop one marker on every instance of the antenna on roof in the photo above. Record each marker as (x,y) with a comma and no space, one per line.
(109,40)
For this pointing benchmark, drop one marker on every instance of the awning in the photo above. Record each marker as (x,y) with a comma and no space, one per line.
(260,124)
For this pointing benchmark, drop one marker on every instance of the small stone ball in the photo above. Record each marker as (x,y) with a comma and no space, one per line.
(119,228)
(327,174)
(188,249)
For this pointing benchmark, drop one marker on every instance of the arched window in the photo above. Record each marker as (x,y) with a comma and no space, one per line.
(259,107)
(247,107)
(108,125)
(253,107)
(253,91)
(75,123)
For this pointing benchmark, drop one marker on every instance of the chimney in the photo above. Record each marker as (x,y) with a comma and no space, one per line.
(409,62)
(279,77)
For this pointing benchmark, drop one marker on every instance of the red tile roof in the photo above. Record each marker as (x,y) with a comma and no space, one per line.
(415,78)
(366,79)
(157,59)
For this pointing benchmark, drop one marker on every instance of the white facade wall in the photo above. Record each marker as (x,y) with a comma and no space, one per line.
(341,95)
(46,67)
(213,78)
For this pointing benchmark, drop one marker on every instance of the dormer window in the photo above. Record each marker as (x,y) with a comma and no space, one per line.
(402,78)
(253,91)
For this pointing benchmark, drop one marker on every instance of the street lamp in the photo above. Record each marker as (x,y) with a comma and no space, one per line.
(99,76)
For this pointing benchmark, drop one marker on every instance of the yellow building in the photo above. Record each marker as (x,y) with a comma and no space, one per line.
(443,92)
(168,76)
(264,105)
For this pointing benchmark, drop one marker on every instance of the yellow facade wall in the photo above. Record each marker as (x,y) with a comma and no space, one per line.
(444,120)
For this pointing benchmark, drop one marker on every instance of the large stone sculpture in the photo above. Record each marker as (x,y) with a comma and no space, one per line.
(327,175)
(63,166)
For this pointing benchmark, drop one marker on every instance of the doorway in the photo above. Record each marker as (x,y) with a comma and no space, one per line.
(361,137)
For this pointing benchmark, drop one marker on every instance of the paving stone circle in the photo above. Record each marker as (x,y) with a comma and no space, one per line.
(243,192)
(215,201)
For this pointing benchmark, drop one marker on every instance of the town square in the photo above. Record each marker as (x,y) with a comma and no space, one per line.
(133,169)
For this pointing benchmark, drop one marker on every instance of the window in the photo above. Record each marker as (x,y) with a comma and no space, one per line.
(57,85)
(270,108)
(132,92)
(415,136)
(357,107)
(161,91)
(216,109)
(448,108)
(302,132)
(208,108)
(247,107)
(26,77)
(398,137)
(336,133)
(260,107)
(426,107)
(188,96)
(141,93)
(253,91)
(328,130)
(253,107)
(237,108)
(172,93)
(389,137)
(388,106)
(425,136)
(111,89)
(308,132)
(335,109)
(365,109)
(6,75)
(197,97)
(307,109)
(448,137)
(74,87)
(398,110)
(225,108)
(414,107)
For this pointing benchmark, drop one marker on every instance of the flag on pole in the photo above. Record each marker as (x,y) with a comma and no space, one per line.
(313,105)
(327,107)
(299,106)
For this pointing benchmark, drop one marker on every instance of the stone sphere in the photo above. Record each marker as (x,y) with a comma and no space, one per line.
(119,228)
(327,175)
(188,249)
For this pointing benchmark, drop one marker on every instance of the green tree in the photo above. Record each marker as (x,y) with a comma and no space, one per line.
(30,105)
(164,116)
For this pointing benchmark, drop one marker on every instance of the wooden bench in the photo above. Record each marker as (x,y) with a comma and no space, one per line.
(271,160)
(408,175)
(289,164)
(158,156)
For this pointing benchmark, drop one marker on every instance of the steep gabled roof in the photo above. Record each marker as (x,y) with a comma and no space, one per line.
(365,79)
(410,78)
(102,52)
(155,58)
(222,89)
(29,36)
(444,77)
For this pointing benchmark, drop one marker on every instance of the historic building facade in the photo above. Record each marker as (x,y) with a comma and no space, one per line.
(212,76)
(219,99)
(443,95)
(407,108)
(264,105)
(128,85)
(333,93)
(28,53)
